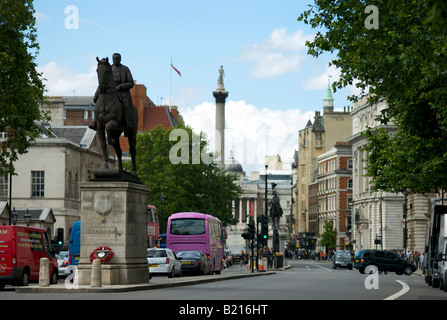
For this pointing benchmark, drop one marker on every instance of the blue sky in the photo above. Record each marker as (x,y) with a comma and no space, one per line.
(274,86)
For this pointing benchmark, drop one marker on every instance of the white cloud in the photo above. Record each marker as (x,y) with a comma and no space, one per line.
(320,80)
(281,53)
(251,133)
(40,16)
(62,81)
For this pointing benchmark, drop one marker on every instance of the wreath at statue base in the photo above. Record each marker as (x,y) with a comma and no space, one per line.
(105,254)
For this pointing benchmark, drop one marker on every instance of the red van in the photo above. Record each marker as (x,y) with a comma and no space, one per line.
(21,249)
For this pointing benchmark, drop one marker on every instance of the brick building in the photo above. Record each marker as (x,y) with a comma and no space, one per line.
(79,111)
(335,190)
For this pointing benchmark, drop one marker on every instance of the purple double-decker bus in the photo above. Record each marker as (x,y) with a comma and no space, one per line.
(197,231)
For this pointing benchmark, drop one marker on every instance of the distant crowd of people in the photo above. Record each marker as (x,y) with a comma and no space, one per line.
(309,254)
(416,257)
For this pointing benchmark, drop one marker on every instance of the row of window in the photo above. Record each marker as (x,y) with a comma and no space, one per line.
(37,185)
(330,184)
(86,115)
(331,165)
(329,204)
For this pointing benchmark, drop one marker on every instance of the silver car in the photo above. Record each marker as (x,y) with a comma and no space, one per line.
(163,261)
(62,264)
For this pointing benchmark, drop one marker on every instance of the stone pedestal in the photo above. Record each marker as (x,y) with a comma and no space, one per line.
(114,215)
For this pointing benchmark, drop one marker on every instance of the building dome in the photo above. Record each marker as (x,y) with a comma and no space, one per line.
(233,166)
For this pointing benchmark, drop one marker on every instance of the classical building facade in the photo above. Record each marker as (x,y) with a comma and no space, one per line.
(48,175)
(251,203)
(314,140)
(382,219)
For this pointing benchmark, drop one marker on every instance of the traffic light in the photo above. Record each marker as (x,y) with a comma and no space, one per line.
(60,236)
(249,232)
(246,234)
(264,228)
(251,228)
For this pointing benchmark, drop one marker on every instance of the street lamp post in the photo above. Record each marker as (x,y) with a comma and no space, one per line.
(14,216)
(27,218)
(10,192)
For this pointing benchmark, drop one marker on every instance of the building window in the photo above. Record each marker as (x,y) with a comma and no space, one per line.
(37,183)
(85,115)
(350,184)
(350,164)
(4,186)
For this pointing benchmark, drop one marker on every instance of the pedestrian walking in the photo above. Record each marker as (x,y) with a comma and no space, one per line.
(243,260)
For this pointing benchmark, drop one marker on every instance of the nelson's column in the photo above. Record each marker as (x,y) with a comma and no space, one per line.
(220,94)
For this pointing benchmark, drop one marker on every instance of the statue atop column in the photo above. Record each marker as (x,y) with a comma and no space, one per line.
(220,82)
(221,75)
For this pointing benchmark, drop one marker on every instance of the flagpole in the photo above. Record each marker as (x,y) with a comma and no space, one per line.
(170,86)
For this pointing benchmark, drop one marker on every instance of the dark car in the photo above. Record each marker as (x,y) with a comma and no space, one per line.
(372,260)
(194,261)
(342,259)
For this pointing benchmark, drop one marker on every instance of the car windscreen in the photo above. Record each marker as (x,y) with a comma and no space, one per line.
(188,254)
(62,255)
(343,255)
(187,226)
(156,253)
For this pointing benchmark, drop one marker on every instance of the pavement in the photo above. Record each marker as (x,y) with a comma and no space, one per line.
(154,283)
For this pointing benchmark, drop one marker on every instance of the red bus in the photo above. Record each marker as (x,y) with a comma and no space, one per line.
(197,231)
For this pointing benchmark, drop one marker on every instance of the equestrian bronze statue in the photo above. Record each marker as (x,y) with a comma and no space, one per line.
(111,116)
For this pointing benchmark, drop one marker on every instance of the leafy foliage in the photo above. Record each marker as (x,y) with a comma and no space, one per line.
(329,236)
(185,187)
(403,61)
(21,90)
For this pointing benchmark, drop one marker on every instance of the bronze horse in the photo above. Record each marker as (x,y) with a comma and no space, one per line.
(109,115)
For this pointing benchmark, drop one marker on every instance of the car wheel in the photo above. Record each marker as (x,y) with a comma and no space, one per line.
(408,270)
(172,273)
(25,278)
(362,270)
(53,279)
(435,283)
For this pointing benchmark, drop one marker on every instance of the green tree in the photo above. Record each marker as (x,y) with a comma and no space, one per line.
(329,236)
(185,186)
(21,89)
(404,61)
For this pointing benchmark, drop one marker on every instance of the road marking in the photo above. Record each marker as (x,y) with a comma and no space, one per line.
(405,289)
(316,265)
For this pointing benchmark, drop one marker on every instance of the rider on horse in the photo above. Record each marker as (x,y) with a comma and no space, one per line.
(123,83)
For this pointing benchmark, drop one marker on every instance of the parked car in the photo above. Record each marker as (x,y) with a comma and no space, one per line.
(194,261)
(342,259)
(163,261)
(372,260)
(228,258)
(62,264)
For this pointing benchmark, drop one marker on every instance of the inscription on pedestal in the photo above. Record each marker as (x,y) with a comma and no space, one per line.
(102,233)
